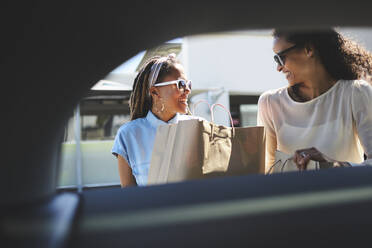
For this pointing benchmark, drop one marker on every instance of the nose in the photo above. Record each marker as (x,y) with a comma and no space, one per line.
(187,90)
(279,68)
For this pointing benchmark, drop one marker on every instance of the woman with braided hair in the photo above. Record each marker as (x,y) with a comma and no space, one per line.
(325,112)
(159,97)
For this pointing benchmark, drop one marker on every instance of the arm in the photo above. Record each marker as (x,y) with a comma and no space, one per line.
(271,147)
(264,118)
(125,173)
(362,114)
(119,150)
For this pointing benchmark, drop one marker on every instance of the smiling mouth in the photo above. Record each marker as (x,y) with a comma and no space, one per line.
(183,101)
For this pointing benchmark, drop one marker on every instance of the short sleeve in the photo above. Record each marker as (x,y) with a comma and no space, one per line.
(264,118)
(119,147)
(362,114)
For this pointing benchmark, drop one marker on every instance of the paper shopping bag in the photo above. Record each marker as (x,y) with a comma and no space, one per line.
(176,155)
(284,163)
(248,151)
(195,149)
(246,155)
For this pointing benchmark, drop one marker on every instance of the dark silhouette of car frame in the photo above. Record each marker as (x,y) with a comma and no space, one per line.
(52,53)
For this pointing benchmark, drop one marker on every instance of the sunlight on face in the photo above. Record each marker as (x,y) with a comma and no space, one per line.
(175,99)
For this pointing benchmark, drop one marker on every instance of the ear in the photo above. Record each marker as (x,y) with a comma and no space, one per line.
(154,92)
(309,50)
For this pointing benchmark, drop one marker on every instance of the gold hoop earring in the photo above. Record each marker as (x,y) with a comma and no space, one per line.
(157,110)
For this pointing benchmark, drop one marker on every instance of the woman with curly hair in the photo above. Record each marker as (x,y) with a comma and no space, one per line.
(325,112)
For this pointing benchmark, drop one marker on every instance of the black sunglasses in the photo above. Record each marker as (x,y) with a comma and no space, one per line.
(280,57)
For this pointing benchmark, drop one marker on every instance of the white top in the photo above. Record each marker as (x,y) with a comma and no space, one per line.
(338,123)
(134,141)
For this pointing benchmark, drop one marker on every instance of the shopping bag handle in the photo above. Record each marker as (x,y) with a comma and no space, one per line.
(197,103)
(272,166)
(317,166)
(222,106)
(211,109)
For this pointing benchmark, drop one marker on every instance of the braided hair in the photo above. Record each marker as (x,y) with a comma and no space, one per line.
(341,57)
(140,101)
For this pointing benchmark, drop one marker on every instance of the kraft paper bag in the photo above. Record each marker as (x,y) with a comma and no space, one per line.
(176,154)
(194,149)
(284,163)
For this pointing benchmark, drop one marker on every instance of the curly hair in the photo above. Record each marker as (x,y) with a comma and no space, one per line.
(140,101)
(343,58)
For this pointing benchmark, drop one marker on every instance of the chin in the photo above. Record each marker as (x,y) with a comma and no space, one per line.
(182,110)
(292,82)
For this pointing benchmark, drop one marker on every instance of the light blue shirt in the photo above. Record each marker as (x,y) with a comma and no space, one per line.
(134,141)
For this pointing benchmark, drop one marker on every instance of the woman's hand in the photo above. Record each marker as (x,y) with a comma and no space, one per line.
(303,156)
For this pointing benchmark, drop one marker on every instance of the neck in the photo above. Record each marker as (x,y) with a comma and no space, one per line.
(320,83)
(164,115)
